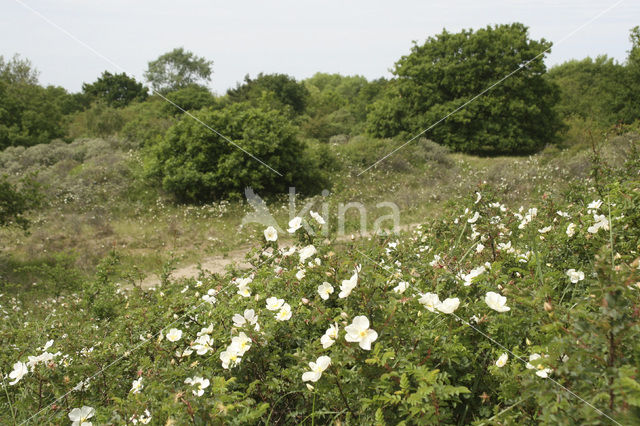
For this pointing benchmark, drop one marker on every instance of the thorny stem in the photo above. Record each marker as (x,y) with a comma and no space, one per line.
(344,398)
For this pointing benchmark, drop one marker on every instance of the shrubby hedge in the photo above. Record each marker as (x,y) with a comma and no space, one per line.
(197,165)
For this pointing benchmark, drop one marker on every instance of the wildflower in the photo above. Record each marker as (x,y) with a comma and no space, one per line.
(19,370)
(542,371)
(330,336)
(359,331)
(479,248)
(506,247)
(270,234)
(317,217)
(524,257)
(401,287)
(435,260)
(249,316)
(79,416)
(474,218)
(205,330)
(468,278)
(284,313)
(321,364)
(289,251)
(429,301)
(210,296)
(294,224)
(575,276)
(203,344)
(571,230)
(348,285)
(306,252)
(478,197)
(324,290)
(545,229)
(502,360)
(240,343)
(141,419)
(174,335)
(448,306)
(199,383)
(601,222)
(300,274)
(594,205)
(244,290)
(230,357)
(136,386)
(496,302)
(273,303)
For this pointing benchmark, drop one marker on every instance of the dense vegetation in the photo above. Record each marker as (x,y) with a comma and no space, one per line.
(511,298)
(514,117)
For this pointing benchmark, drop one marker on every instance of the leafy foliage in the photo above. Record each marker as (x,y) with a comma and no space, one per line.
(17,200)
(197,165)
(116,90)
(29,114)
(176,70)
(440,76)
(280,90)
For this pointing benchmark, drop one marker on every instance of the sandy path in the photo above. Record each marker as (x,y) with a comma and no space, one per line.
(217,264)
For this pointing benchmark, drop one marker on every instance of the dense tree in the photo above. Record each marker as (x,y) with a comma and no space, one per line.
(116,90)
(189,98)
(515,116)
(197,165)
(590,89)
(29,114)
(176,70)
(338,104)
(631,110)
(282,90)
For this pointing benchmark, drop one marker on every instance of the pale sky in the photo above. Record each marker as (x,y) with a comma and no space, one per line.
(295,37)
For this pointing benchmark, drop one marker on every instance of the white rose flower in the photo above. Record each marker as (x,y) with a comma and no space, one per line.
(324,290)
(284,313)
(79,416)
(496,302)
(270,234)
(401,287)
(19,370)
(317,217)
(448,306)
(575,276)
(274,304)
(174,335)
(317,368)
(430,301)
(294,224)
(474,218)
(359,331)
(502,360)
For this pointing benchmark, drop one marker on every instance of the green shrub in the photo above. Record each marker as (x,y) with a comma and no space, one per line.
(197,165)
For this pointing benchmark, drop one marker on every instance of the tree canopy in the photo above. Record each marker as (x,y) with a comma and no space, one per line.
(178,69)
(284,90)
(436,78)
(29,113)
(117,90)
